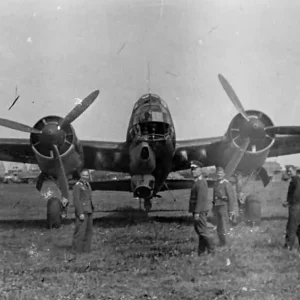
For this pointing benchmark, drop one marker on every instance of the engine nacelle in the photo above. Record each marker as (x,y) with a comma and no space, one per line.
(68,146)
(142,185)
(260,142)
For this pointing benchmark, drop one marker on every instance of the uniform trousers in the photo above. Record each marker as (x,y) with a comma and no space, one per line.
(82,238)
(293,225)
(205,241)
(221,214)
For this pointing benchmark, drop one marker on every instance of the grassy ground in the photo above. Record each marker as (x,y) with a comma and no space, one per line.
(135,257)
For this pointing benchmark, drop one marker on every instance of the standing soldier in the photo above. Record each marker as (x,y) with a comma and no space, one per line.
(199,206)
(82,198)
(293,203)
(223,203)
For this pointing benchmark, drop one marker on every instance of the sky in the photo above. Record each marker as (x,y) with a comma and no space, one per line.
(57,51)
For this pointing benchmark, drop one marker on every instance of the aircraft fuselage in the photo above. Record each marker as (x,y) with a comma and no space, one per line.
(151,139)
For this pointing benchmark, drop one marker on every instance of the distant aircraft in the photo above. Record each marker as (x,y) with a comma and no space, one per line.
(150,151)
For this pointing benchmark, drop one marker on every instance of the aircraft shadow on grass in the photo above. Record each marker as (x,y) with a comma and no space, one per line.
(124,216)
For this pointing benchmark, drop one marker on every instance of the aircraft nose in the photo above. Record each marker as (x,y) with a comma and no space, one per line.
(145,153)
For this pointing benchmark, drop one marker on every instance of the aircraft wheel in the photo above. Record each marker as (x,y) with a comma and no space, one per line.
(54,213)
(147,205)
(252,211)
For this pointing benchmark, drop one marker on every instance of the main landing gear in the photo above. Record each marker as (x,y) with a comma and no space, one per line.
(54,208)
(56,212)
(147,204)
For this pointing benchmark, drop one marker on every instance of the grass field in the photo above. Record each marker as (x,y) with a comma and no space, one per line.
(140,257)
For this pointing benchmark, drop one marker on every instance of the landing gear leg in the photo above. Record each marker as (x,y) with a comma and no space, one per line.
(147,205)
(54,213)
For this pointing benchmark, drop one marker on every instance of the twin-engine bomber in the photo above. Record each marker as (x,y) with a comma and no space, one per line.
(150,151)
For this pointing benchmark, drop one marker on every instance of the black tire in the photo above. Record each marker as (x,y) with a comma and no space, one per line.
(252,212)
(54,207)
(147,205)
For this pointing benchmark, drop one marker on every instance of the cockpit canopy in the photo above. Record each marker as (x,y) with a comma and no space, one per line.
(147,98)
(151,118)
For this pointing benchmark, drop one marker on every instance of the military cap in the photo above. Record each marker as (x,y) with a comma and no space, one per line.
(196,164)
(219,169)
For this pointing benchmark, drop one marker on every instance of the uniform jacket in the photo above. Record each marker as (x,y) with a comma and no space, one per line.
(199,196)
(223,193)
(82,198)
(293,195)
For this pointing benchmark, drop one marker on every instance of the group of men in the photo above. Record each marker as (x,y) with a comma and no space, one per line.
(199,206)
(223,202)
(223,207)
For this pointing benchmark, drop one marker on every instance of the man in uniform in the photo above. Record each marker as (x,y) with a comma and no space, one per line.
(293,203)
(199,207)
(82,198)
(223,204)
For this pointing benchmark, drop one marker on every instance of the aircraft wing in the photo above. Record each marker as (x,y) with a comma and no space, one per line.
(106,156)
(124,185)
(195,149)
(183,184)
(114,156)
(285,145)
(111,156)
(16,150)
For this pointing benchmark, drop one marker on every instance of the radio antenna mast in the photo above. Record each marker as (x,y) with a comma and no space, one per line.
(148,78)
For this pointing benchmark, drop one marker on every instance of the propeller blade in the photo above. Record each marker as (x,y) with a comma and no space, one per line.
(236,158)
(62,178)
(18,126)
(79,108)
(289,130)
(40,181)
(263,174)
(232,96)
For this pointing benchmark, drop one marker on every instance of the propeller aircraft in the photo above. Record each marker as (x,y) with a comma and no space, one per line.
(150,151)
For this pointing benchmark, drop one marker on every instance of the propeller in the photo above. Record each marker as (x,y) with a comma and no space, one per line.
(252,129)
(263,174)
(232,96)
(18,126)
(61,177)
(236,158)
(52,136)
(68,119)
(254,126)
(79,109)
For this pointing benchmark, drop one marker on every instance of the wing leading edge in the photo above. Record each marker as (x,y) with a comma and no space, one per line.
(113,156)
